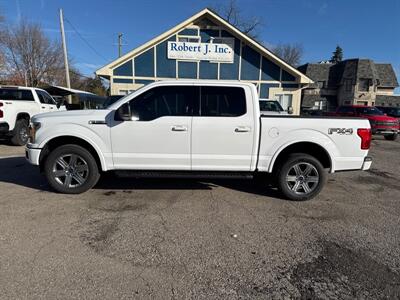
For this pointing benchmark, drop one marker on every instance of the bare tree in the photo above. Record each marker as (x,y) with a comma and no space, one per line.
(291,53)
(30,56)
(232,13)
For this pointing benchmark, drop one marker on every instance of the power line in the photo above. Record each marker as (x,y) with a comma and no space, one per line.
(83,39)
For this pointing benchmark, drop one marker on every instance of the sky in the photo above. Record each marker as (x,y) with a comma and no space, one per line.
(363,28)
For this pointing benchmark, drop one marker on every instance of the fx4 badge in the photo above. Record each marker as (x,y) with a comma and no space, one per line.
(346,131)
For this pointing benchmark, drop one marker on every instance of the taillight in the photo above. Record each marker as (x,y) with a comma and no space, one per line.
(1,112)
(365,135)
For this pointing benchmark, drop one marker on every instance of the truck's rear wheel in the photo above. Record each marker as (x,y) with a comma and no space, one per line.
(301,177)
(21,133)
(391,137)
(71,169)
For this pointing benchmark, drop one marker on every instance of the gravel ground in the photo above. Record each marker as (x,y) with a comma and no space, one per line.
(161,239)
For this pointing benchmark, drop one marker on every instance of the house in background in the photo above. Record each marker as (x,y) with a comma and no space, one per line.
(349,82)
(206,46)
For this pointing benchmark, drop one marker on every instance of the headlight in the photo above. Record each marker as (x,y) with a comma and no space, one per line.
(33,128)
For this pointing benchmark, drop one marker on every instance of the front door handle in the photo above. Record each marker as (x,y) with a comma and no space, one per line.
(242,129)
(179,128)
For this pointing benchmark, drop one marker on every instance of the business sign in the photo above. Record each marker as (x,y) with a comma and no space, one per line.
(201,51)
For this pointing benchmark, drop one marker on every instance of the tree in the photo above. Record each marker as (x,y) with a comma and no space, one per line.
(232,13)
(337,55)
(291,53)
(30,56)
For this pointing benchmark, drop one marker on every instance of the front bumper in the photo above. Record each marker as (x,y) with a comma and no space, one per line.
(367,163)
(32,155)
(4,128)
(384,130)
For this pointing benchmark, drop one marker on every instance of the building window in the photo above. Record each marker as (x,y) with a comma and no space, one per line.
(189,39)
(363,85)
(348,85)
(321,84)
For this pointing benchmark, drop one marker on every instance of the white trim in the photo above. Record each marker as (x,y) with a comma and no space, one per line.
(155,60)
(240,59)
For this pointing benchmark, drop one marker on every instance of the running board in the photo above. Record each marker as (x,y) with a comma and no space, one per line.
(185,174)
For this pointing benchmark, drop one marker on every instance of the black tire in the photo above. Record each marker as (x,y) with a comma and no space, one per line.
(295,184)
(79,167)
(21,133)
(391,137)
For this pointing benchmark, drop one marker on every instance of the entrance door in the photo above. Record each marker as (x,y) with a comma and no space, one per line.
(285,100)
(160,137)
(223,130)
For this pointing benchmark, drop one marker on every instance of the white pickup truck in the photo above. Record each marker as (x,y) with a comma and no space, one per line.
(196,129)
(17,106)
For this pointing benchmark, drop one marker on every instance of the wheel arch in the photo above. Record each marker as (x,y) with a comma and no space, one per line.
(61,140)
(311,148)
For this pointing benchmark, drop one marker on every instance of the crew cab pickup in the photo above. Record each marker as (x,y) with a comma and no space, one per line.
(380,123)
(17,106)
(196,129)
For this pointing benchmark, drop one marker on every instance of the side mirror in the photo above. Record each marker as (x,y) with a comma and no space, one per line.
(290,110)
(124,113)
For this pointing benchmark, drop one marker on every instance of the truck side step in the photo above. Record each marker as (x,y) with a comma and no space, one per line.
(184,174)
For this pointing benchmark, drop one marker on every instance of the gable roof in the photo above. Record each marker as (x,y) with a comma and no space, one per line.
(106,70)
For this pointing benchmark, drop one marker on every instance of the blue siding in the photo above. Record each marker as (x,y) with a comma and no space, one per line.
(287,77)
(144,64)
(250,64)
(165,67)
(143,81)
(290,85)
(122,80)
(231,71)
(264,89)
(188,31)
(124,69)
(187,69)
(206,34)
(208,70)
(270,71)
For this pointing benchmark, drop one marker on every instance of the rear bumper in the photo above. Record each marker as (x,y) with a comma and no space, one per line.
(367,163)
(32,155)
(4,128)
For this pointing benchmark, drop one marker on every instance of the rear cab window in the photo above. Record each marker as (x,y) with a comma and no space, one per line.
(218,101)
(14,94)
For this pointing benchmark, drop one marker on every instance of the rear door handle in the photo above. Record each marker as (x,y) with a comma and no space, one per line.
(242,129)
(179,128)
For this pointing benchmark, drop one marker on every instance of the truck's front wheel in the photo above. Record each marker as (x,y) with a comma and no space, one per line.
(391,137)
(301,177)
(71,169)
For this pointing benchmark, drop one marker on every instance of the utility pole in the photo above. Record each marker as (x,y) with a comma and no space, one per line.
(119,44)
(65,55)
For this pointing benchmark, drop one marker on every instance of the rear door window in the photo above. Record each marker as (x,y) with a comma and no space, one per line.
(16,94)
(222,101)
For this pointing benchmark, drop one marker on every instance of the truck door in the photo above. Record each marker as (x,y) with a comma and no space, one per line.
(47,103)
(223,131)
(159,137)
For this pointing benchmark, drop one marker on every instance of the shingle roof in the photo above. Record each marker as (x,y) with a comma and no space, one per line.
(335,74)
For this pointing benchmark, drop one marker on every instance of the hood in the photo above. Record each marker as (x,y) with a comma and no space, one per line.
(72,114)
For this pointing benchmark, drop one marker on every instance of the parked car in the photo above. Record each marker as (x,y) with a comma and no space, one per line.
(17,106)
(380,123)
(195,129)
(390,111)
(272,107)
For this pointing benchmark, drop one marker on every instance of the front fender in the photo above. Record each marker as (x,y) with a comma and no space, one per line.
(299,136)
(99,140)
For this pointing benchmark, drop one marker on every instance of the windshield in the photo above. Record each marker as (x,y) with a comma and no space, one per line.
(270,106)
(369,111)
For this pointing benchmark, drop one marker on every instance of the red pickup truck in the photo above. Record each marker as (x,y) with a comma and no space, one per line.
(380,122)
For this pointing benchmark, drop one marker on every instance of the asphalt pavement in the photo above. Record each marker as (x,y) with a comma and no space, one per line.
(179,239)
